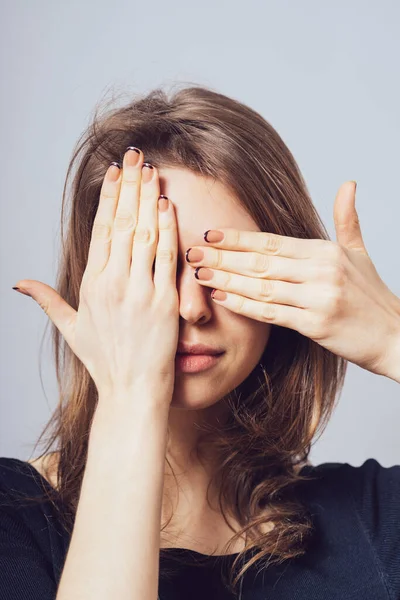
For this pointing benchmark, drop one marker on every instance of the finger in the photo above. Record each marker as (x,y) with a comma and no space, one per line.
(100,243)
(254,264)
(167,248)
(146,234)
(345,216)
(56,308)
(301,295)
(266,312)
(267,243)
(126,215)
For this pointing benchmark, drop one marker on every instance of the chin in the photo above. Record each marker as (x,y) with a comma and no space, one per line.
(189,402)
(195,392)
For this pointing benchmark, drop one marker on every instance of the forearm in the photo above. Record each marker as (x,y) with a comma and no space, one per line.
(115,543)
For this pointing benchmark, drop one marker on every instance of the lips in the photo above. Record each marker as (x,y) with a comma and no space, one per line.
(194,363)
(199,353)
(199,349)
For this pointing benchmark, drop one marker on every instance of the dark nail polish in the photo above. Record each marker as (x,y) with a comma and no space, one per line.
(196,272)
(22,291)
(162,196)
(205,235)
(186,255)
(146,164)
(132,148)
(117,164)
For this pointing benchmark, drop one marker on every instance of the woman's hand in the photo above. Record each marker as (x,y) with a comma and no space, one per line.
(327,291)
(126,328)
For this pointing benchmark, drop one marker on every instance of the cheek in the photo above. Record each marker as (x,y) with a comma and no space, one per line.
(264,334)
(254,340)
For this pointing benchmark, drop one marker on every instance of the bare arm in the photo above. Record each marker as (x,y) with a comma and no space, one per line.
(115,544)
(125,332)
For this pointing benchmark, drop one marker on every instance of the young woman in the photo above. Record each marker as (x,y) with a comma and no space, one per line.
(202,323)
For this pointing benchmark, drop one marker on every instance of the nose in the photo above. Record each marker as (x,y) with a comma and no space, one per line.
(195,303)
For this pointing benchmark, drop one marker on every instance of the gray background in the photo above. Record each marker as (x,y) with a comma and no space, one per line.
(326,75)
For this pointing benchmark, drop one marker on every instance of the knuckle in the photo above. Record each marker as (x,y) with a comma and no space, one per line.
(165,256)
(337,274)
(266,289)
(218,259)
(268,312)
(140,292)
(116,293)
(171,306)
(168,303)
(130,182)
(166,225)
(333,301)
(88,288)
(144,235)
(124,221)
(316,326)
(240,304)
(259,263)
(114,289)
(225,278)
(235,237)
(271,243)
(101,231)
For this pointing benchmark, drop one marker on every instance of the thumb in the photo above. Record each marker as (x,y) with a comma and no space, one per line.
(347,224)
(55,307)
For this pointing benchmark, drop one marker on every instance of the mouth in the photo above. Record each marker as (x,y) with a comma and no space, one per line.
(195,363)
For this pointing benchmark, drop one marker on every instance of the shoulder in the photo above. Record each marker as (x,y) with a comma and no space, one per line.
(360,480)
(26,501)
(19,480)
(32,542)
(375,493)
(25,507)
(369,492)
(26,476)
(46,466)
(368,485)
(15,474)
(361,501)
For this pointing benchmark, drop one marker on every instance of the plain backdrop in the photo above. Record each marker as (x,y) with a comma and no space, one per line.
(324,74)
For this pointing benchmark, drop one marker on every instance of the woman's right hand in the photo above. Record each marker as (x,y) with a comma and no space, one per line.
(126,328)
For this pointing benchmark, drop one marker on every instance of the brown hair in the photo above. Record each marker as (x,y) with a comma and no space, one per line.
(277,410)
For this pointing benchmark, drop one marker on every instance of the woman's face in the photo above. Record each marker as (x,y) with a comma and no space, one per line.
(201,204)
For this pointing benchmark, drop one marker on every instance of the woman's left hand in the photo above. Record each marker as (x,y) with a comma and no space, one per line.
(328,291)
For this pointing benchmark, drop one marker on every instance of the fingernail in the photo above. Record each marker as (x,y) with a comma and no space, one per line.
(22,291)
(212,236)
(203,274)
(147,172)
(114,171)
(194,255)
(218,295)
(132,156)
(163,203)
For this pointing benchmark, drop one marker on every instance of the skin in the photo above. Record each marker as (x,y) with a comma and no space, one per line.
(200,204)
(196,395)
(339,292)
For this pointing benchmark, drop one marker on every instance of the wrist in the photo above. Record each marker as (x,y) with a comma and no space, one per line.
(122,417)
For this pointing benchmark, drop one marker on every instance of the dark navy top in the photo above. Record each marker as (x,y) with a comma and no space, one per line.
(354,554)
